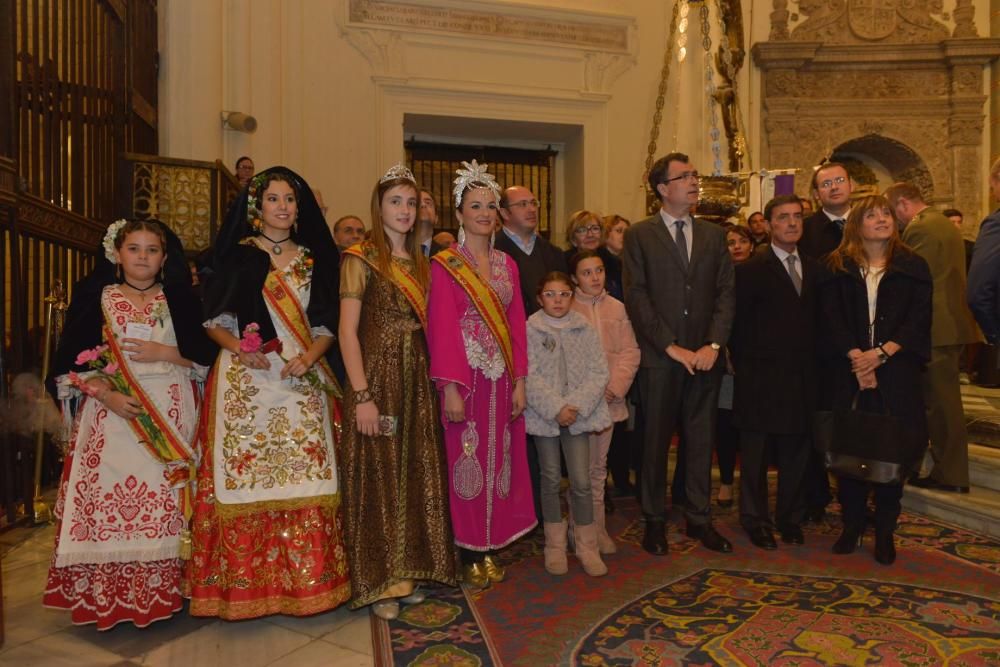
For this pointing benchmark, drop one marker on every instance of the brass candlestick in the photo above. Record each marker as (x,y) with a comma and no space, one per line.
(55,304)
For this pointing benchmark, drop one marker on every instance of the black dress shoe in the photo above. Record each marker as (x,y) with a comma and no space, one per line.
(849,540)
(885,547)
(655,539)
(710,538)
(934,485)
(792,535)
(816,514)
(725,503)
(762,537)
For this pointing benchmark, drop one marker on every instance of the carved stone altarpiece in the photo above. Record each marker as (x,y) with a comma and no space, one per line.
(882,78)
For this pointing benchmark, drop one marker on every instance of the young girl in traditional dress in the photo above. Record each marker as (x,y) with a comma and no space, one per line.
(478,361)
(621,350)
(395,485)
(267,533)
(567,376)
(125,493)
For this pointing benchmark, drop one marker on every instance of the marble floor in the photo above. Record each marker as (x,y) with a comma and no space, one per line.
(44,637)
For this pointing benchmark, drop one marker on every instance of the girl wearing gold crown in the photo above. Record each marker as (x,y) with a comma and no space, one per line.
(395,494)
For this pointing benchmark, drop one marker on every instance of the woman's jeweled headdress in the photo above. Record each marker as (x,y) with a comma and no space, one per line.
(109,239)
(475,175)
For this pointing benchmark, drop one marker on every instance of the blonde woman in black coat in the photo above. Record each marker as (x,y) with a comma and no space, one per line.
(877,315)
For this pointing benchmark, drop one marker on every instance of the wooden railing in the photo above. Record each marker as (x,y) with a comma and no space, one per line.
(189,196)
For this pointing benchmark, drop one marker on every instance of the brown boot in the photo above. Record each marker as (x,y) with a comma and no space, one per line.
(555,548)
(605,544)
(586,550)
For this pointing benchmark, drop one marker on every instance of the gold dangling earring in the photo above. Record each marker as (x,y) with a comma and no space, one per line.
(119,272)
(461,234)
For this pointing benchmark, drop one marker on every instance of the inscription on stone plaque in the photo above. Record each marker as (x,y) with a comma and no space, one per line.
(599,36)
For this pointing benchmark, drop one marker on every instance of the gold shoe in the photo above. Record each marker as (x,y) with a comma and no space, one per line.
(493,570)
(475,575)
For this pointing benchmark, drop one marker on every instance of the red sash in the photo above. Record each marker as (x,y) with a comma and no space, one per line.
(159,436)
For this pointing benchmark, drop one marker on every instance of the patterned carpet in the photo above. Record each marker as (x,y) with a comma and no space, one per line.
(800,605)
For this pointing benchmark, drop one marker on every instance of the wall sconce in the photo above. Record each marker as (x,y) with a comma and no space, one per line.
(241,122)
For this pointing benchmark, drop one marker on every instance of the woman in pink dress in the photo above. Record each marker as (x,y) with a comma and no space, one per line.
(477,340)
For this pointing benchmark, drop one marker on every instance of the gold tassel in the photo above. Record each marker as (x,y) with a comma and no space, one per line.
(185,544)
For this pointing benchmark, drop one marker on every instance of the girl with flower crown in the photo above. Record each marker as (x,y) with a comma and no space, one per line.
(476,333)
(266,528)
(396,502)
(133,348)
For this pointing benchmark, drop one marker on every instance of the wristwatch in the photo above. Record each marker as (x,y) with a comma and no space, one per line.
(882,356)
(715,346)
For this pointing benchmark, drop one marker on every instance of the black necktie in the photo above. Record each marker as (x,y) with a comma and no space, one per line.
(840,222)
(682,244)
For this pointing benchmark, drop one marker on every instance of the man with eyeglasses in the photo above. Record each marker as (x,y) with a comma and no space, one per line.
(821,234)
(532,253)
(679,293)
(823,230)
(535,257)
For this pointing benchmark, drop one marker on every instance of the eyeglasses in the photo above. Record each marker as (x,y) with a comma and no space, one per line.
(524,203)
(828,183)
(583,231)
(551,294)
(686,176)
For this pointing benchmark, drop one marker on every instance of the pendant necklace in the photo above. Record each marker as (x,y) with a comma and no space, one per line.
(141,290)
(276,248)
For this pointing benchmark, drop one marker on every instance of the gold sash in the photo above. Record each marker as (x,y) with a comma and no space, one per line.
(484,298)
(402,279)
(279,295)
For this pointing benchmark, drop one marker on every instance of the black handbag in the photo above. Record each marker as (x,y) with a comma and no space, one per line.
(862,445)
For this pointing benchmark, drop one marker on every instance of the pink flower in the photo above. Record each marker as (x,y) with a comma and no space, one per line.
(87,356)
(111,368)
(250,342)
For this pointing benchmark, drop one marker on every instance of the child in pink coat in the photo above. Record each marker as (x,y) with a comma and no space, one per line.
(607,315)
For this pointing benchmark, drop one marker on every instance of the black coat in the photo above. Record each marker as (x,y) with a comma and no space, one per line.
(531,268)
(773,345)
(820,236)
(903,315)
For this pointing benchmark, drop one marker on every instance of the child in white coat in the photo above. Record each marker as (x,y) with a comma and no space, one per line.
(567,376)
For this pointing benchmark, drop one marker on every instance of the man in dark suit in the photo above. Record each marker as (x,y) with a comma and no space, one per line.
(984,273)
(773,353)
(534,257)
(823,230)
(532,253)
(679,295)
(427,220)
(934,237)
(821,234)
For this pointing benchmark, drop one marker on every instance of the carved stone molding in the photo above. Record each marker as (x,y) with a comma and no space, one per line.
(917,109)
(494,19)
(864,21)
(605,45)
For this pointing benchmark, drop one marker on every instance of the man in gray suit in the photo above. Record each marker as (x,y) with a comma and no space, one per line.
(679,293)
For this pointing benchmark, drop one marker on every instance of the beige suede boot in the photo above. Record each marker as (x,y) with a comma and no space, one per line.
(586,550)
(555,548)
(605,544)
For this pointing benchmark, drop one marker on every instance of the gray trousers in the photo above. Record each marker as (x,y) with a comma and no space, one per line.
(576,451)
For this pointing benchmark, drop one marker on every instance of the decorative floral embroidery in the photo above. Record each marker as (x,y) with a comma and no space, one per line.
(481,348)
(267,452)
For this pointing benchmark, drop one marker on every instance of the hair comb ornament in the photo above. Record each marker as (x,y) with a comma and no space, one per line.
(474,175)
(398,171)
